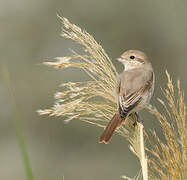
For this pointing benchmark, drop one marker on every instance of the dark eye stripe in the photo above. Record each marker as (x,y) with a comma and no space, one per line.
(140,60)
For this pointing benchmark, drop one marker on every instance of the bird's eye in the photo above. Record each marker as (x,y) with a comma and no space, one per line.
(132,57)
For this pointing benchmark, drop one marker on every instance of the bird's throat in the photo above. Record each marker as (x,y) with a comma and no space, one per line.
(128,67)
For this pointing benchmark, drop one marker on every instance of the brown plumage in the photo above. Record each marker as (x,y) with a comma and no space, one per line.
(114,123)
(134,89)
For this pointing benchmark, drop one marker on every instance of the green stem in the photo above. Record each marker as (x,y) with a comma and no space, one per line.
(18,128)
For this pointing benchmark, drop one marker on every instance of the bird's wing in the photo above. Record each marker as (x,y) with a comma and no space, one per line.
(132,87)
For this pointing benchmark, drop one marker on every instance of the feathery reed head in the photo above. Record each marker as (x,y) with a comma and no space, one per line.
(93,101)
(169,157)
(79,100)
(90,101)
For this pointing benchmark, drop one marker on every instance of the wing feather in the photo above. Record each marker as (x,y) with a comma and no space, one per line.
(130,97)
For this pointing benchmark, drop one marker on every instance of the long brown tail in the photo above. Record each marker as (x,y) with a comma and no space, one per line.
(115,122)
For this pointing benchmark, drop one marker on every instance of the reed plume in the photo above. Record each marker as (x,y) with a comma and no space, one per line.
(94,102)
(169,156)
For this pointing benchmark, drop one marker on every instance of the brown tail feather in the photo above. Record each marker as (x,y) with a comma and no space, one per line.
(110,128)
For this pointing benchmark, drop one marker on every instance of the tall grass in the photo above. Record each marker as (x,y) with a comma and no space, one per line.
(17,124)
(169,157)
(94,102)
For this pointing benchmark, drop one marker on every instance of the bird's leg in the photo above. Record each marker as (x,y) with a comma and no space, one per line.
(138,119)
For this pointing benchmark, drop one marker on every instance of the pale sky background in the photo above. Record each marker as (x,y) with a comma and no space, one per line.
(30,34)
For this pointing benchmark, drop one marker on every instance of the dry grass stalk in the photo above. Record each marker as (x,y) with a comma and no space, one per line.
(136,139)
(169,158)
(94,102)
(79,100)
(91,101)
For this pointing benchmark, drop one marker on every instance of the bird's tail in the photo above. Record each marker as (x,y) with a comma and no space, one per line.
(114,123)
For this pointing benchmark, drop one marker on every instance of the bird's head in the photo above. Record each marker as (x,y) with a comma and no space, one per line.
(133,59)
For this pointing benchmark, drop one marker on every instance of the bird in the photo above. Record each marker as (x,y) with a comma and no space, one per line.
(133,91)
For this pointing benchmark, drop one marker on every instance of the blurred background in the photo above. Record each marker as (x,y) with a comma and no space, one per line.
(30,35)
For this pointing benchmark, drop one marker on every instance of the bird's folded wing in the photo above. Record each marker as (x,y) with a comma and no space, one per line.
(130,99)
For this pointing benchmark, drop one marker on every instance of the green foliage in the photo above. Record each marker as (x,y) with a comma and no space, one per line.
(17,124)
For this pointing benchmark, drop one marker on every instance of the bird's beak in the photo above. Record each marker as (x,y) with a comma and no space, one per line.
(122,60)
(119,59)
